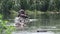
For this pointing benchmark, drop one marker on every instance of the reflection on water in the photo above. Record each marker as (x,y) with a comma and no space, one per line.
(34,31)
(45,20)
(25,32)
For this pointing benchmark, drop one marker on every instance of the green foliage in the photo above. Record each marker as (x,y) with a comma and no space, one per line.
(1,16)
(4,29)
(34,8)
(40,5)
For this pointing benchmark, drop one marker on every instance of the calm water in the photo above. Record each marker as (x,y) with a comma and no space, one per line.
(41,22)
(25,32)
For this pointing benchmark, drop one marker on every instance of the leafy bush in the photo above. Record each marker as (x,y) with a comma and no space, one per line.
(4,29)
